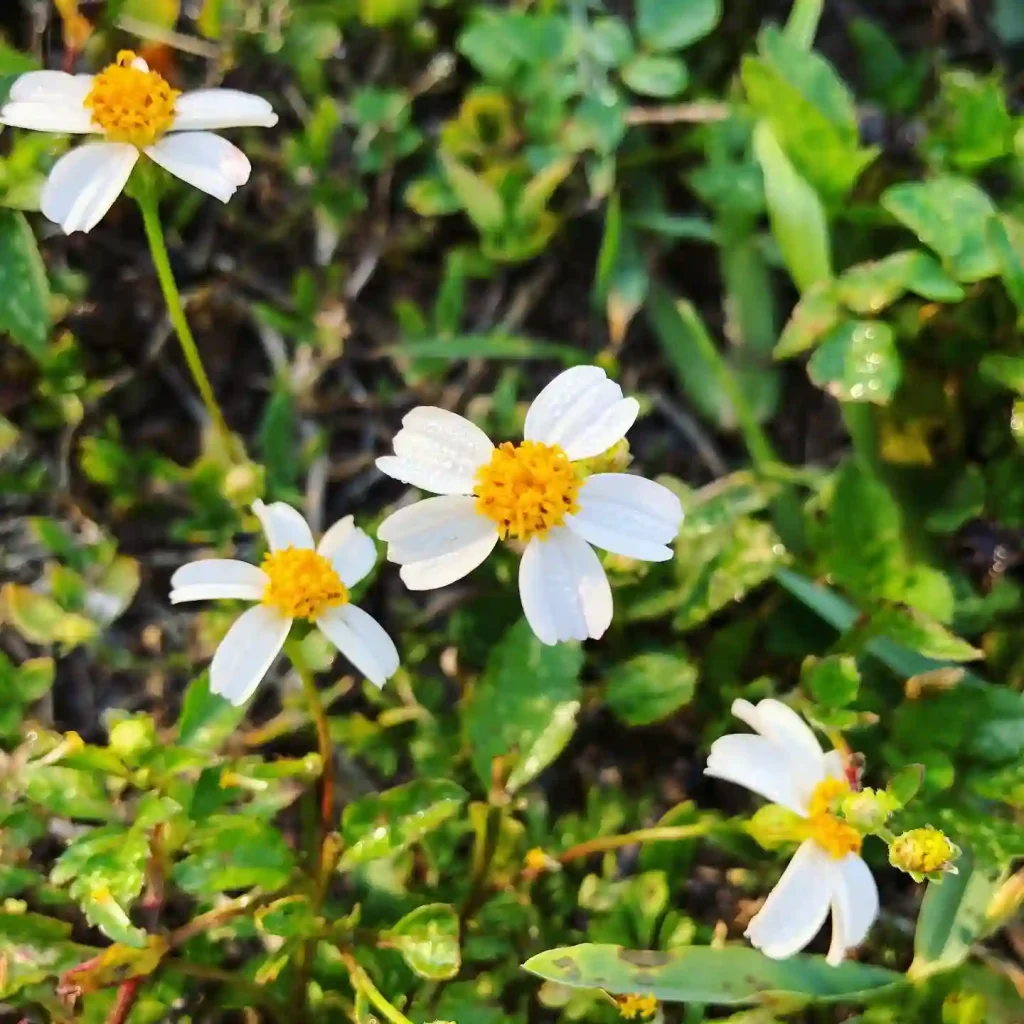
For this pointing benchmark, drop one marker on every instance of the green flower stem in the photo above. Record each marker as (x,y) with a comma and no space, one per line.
(323,732)
(362,984)
(146,199)
(659,833)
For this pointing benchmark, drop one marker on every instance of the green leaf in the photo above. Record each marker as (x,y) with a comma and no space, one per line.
(428,939)
(486,346)
(906,783)
(552,740)
(24,288)
(673,25)
(206,719)
(232,851)
(816,313)
(382,824)
(802,24)
(810,110)
(290,917)
(950,216)
(730,976)
(512,705)
(649,687)
(834,681)
(873,286)
(797,216)
(971,127)
(537,192)
(40,620)
(921,634)
(478,197)
(35,949)
(1011,266)
(953,917)
(653,75)
(858,362)
(1007,371)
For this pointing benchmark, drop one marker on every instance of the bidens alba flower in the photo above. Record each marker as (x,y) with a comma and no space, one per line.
(136,112)
(785,764)
(295,581)
(532,492)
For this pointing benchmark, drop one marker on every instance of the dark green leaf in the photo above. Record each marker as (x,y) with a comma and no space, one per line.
(512,705)
(834,681)
(24,289)
(206,719)
(231,851)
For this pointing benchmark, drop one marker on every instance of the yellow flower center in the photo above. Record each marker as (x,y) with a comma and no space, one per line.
(835,836)
(634,1007)
(527,489)
(303,584)
(129,104)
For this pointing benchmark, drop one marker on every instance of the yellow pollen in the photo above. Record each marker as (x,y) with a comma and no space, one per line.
(835,836)
(129,104)
(634,1007)
(527,489)
(303,584)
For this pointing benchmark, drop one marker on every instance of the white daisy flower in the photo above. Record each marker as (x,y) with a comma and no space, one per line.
(295,581)
(532,492)
(785,764)
(136,111)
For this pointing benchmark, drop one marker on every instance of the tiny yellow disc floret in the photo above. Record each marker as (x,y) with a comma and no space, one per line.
(303,584)
(831,833)
(923,851)
(129,104)
(634,1007)
(527,489)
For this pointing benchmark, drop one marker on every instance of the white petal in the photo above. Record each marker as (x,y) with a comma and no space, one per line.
(284,526)
(834,766)
(854,906)
(363,640)
(221,108)
(50,87)
(433,528)
(582,411)
(627,515)
(247,652)
(214,571)
(798,905)
(140,64)
(564,590)
(85,182)
(437,450)
(48,117)
(204,160)
(440,570)
(783,726)
(216,592)
(350,550)
(755,763)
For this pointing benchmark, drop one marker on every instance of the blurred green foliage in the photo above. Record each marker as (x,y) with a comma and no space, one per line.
(800,242)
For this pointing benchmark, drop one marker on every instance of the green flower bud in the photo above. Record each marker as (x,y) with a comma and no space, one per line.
(924,853)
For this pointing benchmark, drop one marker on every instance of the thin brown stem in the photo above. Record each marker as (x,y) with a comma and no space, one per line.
(657,834)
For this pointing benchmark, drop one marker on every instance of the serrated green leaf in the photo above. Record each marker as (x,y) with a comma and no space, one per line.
(650,686)
(514,701)
(24,288)
(231,851)
(383,824)
(732,976)
(428,939)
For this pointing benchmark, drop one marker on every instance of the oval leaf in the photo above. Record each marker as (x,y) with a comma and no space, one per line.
(428,940)
(730,976)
